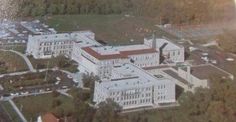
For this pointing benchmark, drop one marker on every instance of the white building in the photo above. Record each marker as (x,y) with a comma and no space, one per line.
(170,52)
(101,59)
(46,46)
(132,87)
(84,39)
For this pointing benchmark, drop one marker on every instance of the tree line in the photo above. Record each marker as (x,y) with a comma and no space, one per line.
(168,11)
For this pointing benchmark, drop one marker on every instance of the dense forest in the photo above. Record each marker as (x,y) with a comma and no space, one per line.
(169,11)
(227,41)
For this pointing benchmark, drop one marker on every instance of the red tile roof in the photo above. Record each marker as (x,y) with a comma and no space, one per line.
(49,117)
(140,51)
(122,54)
(102,57)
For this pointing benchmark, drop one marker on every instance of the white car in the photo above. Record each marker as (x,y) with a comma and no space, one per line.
(41,90)
(204,54)
(25,93)
(57,82)
(58,79)
(69,76)
(64,87)
(230,59)
(14,94)
(214,61)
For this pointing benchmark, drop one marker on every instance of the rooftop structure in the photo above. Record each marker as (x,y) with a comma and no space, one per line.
(169,51)
(207,71)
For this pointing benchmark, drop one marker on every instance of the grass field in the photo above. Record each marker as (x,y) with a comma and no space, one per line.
(11,62)
(33,106)
(8,109)
(70,66)
(114,29)
(160,115)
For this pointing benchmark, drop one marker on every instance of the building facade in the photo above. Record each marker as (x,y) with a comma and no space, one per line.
(132,87)
(84,39)
(46,46)
(170,52)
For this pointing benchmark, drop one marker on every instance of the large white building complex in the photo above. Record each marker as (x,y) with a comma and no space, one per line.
(132,87)
(120,68)
(101,59)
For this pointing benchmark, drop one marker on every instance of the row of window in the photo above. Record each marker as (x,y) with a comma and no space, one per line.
(161,87)
(55,47)
(146,57)
(174,53)
(145,100)
(161,97)
(136,102)
(135,96)
(55,43)
(135,91)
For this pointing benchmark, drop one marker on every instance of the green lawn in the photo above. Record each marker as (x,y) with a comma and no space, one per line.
(33,106)
(8,109)
(114,29)
(70,65)
(157,115)
(10,62)
(42,63)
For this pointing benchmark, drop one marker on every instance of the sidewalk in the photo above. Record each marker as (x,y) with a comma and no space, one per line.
(17,111)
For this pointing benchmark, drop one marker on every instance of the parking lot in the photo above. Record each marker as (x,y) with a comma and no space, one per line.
(15,33)
(214,56)
(58,80)
(192,31)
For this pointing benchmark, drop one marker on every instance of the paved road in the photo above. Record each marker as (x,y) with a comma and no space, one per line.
(31,68)
(18,111)
(14,73)
(29,64)
(21,73)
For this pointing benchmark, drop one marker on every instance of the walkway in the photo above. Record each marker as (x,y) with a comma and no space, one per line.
(27,61)
(31,68)
(17,111)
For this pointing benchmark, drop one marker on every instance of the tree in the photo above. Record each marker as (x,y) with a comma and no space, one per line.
(107,112)
(61,61)
(56,103)
(52,9)
(89,79)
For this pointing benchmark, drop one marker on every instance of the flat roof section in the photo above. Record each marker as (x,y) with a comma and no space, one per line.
(175,75)
(102,57)
(206,71)
(109,52)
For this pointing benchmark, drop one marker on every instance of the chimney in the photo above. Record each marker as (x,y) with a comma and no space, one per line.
(154,41)
(189,74)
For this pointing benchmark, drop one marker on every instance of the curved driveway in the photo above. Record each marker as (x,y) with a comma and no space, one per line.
(29,64)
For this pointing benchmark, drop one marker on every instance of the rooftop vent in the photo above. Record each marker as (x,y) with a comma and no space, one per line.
(159,76)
